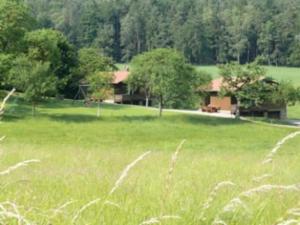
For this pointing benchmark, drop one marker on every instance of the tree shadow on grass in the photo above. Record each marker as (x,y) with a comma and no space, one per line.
(172,119)
(74,118)
(203,120)
(79,118)
(56,104)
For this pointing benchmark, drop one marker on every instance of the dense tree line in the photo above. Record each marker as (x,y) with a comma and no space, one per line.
(206,31)
(41,62)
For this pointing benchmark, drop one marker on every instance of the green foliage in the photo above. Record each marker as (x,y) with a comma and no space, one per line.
(206,31)
(50,46)
(251,88)
(165,75)
(5,66)
(91,60)
(35,79)
(286,93)
(294,58)
(236,76)
(100,85)
(15,21)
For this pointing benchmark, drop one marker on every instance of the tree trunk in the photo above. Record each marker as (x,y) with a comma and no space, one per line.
(160,106)
(33,108)
(248,54)
(147,96)
(98,110)
(238,111)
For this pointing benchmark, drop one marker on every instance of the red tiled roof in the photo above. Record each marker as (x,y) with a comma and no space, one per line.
(216,85)
(120,76)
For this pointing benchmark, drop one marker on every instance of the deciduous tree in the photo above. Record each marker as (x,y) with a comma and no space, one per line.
(167,76)
(100,87)
(35,79)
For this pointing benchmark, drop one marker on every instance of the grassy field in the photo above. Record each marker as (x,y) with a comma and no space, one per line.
(280,73)
(81,158)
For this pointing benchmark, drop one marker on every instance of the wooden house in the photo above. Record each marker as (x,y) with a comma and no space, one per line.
(121,92)
(215,103)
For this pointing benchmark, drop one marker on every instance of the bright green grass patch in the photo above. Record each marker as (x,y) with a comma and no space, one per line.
(294,112)
(82,156)
(280,73)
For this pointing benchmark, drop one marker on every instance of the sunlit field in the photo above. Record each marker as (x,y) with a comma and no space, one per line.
(77,180)
(291,74)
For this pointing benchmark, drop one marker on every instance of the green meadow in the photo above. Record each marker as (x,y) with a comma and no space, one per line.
(82,156)
(291,74)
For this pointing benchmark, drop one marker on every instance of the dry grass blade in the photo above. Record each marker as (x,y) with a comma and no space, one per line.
(269,187)
(118,183)
(18,165)
(83,208)
(13,213)
(290,222)
(279,144)
(2,138)
(166,191)
(125,172)
(110,203)
(290,216)
(172,165)
(63,206)
(156,220)
(262,177)
(237,202)
(2,106)
(212,196)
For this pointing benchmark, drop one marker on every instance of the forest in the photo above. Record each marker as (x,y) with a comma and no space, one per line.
(206,31)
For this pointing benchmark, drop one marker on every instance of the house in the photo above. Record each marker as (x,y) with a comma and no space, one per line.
(214,103)
(121,92)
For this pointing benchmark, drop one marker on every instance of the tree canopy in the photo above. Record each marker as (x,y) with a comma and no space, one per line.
(249,85)
(166,75)
(35,79)
(206,31)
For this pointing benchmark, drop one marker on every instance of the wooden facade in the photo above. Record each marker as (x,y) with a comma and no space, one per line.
(121,93)
(229,104)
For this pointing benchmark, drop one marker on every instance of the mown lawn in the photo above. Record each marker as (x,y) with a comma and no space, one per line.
(82,157)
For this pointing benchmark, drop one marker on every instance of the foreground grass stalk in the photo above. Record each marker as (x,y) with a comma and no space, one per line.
(172,167)
(212,196)
(2,106)
(159,220)
(18,165)
(292,216)
(237,202)
(125,172)
(6,213)
(279,144)
(117,184)
(155,220)
(83,208)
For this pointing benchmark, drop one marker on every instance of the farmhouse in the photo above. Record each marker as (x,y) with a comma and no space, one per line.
(214,103)
(121,92)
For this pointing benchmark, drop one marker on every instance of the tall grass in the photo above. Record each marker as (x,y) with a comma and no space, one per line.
(9,209)
(141,195)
